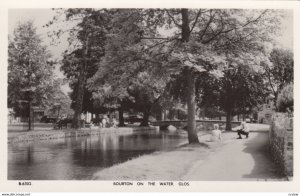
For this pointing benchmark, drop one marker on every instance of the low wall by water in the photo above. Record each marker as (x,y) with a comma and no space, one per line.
(32,136)
(281,142)
(203,125)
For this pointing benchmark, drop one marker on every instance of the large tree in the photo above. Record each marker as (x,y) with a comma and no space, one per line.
(279,72)
(184,41)
(30,70)
(240,88)
(88,37)
(138,88)
(188,41)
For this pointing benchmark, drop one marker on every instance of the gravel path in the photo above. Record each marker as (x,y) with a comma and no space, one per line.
(238,160)
(229,160)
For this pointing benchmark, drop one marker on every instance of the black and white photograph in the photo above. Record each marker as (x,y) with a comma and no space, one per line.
(150,94)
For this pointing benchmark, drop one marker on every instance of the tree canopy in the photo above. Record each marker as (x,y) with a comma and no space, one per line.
(30,69)
(279,71)
(135,54)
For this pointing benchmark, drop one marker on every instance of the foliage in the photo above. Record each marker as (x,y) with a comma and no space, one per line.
(186,42)
(161,45)
(29,69)
(279,70)
(285,100)
(283,67)
(87,40)
(92,25)
(59,99)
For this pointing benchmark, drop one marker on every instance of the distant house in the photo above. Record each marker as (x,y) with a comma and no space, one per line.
(265,113)
(11,117)
(36,113)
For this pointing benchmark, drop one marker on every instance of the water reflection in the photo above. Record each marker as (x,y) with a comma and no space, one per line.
(78,158)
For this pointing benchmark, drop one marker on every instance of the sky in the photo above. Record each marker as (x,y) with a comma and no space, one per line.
(40,17)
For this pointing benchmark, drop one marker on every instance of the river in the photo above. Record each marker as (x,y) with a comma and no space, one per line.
(78,158)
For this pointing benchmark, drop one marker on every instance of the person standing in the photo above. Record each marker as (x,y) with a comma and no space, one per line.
(104,121)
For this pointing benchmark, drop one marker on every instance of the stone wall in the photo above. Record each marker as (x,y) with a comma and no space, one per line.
(281,142)
(39,136)
(203,125)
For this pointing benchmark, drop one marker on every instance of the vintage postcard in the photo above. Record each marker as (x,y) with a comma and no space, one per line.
(149,96)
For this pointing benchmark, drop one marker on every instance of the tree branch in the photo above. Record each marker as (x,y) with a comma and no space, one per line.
(157,44)
(207,24)
(234,28)
(196,20)
(166,38)
(270,81)
(173,19)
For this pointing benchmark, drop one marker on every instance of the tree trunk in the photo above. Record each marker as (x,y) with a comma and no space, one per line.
(166,114)
(162,117)
(228,120)
(185,33)
(185,29)
(79,99)
(192,133)
(146,114)
(80,90)
(121,117)
(29,114)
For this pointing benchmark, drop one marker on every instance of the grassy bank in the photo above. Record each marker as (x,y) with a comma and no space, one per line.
(170,165)
(45,135)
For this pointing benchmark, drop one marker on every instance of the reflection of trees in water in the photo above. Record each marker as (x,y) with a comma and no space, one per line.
(29,156)
(38,161)
(99,151)
(21,155)
(108,149)
(32,153)
(148,141)
(66,158)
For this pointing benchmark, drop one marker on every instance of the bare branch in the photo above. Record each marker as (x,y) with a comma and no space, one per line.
(157,44)
(173,19)
(207,24)
(255,20)
(196,20)
(216,34)
(234,28)
(270,80)
(165,38)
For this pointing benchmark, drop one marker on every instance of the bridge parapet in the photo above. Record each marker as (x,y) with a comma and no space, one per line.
(201,124)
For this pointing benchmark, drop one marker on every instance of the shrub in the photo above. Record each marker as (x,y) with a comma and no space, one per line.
(285,99)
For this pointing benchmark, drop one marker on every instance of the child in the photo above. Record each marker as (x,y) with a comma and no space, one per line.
(216,133)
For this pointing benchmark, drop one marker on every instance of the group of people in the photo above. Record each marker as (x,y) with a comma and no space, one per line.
(105,122)
(243,129)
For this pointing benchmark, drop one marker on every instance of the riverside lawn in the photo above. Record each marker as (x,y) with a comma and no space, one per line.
(228,160)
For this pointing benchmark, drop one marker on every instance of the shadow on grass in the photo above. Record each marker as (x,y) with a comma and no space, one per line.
(196,145)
